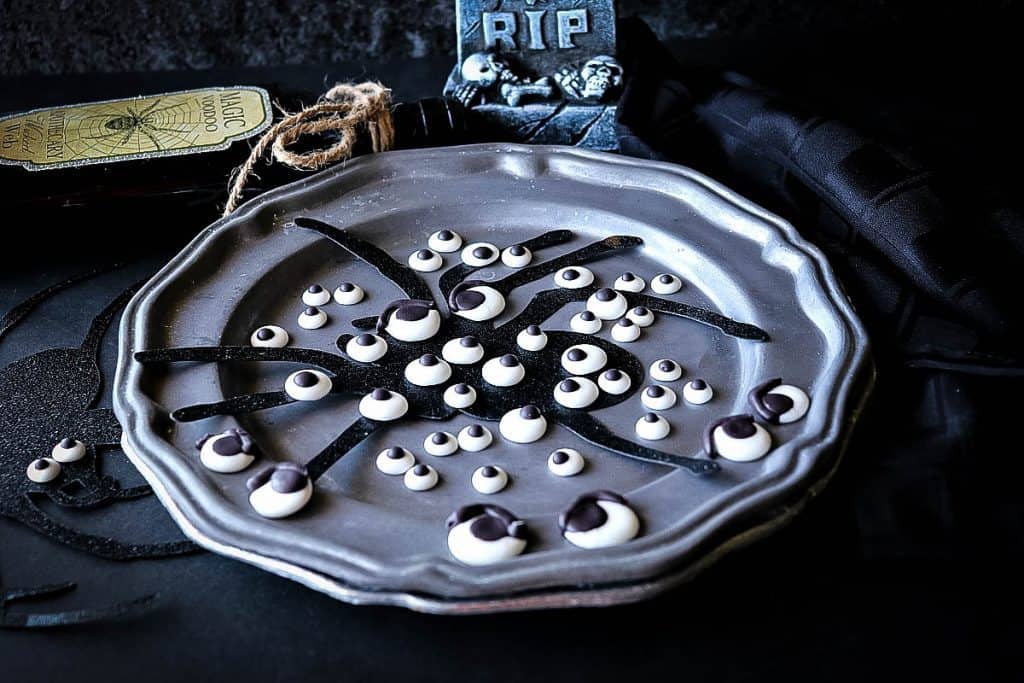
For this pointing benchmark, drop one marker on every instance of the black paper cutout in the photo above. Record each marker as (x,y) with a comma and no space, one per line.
(23,620)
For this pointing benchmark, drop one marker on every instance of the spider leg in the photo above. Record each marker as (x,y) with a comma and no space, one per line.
(208,354)
(353,435)
(66,618)
(249,403)
(729,326)
(127,137)
(544,305)
(591,252)
(145,131)
(145,111)
(460,272)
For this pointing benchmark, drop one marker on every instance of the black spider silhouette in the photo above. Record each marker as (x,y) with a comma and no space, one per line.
(543,368)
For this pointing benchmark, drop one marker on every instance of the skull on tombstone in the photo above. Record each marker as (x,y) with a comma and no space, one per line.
(484,69)
(601,75)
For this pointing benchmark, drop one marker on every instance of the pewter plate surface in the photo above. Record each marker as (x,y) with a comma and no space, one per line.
(365,538)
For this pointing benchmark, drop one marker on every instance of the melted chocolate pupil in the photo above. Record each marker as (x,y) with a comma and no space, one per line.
(587,316)
(570,274)
(381,394)
(699,384)
(613,375)
(287,481)
(655,391)
(411,312)
(439,438)
(560,457)
(421,470)
(509,361)
(468,299)
(315,289)
(739,428)
(445,235)
(569,385)
(428,359)
(585,516)
(605,294)
(483,253)
(516,250)
(264,333)
(227,445)
(305,379)
(365,340)
(529,412)
(469,342)
(67,443)
(777,403)
(476,431)
(577,354)
(488,472)
(487,528)
(424,254)
(533,330)
(346,286)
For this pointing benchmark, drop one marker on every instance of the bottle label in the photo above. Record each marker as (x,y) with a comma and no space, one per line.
(185,122)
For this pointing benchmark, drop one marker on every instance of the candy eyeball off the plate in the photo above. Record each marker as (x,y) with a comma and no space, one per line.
(489,479)
(666,370)
(270,336)
(516,256)
(477,302)
(366,348)
(43,470)
(420,478)
(641,315)
(425,260)
(505,371)
(583,359)
(565,462)
(574,277)
(462,351)
(440,444)
(666,283)
(445,241)
(383,405)
(427,371)
(657,397)
(625,330)
(607,304)
(652,427)
(411,321)
(348,294)
(532,338)
(280,490)
(599,520)
(230,451)
(312,318)
(395,460)
(68,450)
(698,392)
(779,403)
(460,396)
(523,425)
(479,254)
(585,322)
(576,392)
(737,438)
(630,282)
(614,382)
(307,385)
(315,295)
(483,534)
(475,437)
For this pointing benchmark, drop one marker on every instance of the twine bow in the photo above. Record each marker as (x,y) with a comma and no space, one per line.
(342,110)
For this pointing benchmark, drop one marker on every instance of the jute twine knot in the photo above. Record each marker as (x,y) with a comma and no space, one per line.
(344,110)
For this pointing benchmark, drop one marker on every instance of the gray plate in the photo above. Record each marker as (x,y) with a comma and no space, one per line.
(367,539)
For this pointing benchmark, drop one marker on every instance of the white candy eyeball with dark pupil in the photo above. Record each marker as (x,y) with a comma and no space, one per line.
(666,370)
(666,283)
(348,294)
(68,450)
(383,405)
(779,403)
(270,336)
(516,256)
(312,318)
(421,478)
(366,348)
(395,460)
(477,303)
(599,520)
(428,370)
(698,392)
(412,321)
(462,351)
(737,438)
(532,338)
(565,462)
(480,254)
(483,534)
(43,470)
(585,322)
(641,315)
(445,241)
(315,295)
(657,397)
(440,444)
(577,392)
(625,330)
(607,304)
(583,359)
(652,427)
(489,479)
(425,260)
(460,396)
(630,282)
(523,425)
(230,451)
(505,371)
(574,277)
(614,381)
(280,490)
(307,385)
(475,437)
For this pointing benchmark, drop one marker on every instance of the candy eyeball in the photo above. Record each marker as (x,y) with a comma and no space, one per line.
(629,282)
(68,450)
(280,490)
(577,392)
(312,318)
(484,534)
(425,260)
(420,478)
(583,359)
(666,370)
(315,295)
(462,351)
(532,338)
(475,438)
(445,241)
(652,427)
(489,479)
(657,397)
(523,425)
(395,460)
(641,315)
(307,385)
(440,444)
(625,330)
(666,283)
(479,254)
(565,462)
(779,403)
(383,405)
(607,304)
(574,277)
(475,301)
(270,336)
(348,294)
(737,438)
(516,256)
(427,371)
(505,371)
(43,470)
(230,451)
(460,396)
(698,392)
(585,322)
(614,381)
(599,520)
(366,348)
(410,320)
